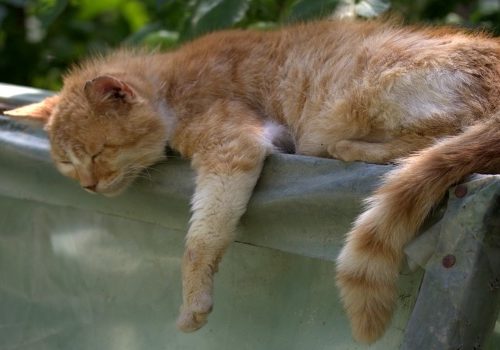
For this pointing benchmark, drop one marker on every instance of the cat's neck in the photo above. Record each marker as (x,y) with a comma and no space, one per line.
(169,117)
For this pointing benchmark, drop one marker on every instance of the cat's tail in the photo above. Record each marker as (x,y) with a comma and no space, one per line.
(368,265)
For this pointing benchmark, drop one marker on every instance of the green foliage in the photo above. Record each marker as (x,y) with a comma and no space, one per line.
(309,9)
(210,15)
(40,38)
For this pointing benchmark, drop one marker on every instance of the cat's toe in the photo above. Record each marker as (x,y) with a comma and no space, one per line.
(332,151)
(343,150)
(194,316)
(189,321)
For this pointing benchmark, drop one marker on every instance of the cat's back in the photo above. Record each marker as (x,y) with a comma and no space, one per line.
(387,43)
(301,71)
(347,75)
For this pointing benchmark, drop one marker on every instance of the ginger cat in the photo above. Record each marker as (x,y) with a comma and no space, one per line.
(356,91)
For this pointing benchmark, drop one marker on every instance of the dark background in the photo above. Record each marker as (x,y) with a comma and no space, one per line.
(40,38)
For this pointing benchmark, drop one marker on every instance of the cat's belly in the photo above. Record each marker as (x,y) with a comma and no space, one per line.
(279,137)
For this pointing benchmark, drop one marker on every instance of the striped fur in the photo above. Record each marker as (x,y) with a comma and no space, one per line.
(368,266)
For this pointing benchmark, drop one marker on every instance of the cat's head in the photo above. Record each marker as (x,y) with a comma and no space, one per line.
(102,132)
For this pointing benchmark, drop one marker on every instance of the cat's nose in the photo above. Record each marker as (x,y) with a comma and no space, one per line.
(87,179)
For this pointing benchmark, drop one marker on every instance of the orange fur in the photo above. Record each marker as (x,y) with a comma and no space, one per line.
(368,265)
(366,91)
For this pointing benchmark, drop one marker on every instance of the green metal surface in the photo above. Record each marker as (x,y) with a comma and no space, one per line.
(75,279)
(80,271)
(462,274)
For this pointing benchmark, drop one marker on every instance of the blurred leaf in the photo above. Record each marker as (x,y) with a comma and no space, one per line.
(453,18)
(268,10)
(91,8)
(263,25)
(139,36)
(488,7)
(16,3)
(215,14)
(34,29)
(162,39)
(48,10)
(3,13)
(176,14)
(302,10)
(135,13)
(160,3)
(372,8)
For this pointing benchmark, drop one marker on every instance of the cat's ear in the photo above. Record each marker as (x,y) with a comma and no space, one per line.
(39,112)
(107,88)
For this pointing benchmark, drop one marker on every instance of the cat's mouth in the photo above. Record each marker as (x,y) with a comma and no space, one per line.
(112,193)
(115,186)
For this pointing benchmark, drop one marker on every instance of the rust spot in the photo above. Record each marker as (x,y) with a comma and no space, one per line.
(449,260)
(460,191)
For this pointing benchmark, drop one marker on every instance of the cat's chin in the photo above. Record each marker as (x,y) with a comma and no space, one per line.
(114,190)
(112,194)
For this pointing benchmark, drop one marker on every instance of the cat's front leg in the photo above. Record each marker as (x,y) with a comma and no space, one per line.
(218,204)
(226,176)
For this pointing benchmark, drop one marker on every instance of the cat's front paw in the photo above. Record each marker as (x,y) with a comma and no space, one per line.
(194,316)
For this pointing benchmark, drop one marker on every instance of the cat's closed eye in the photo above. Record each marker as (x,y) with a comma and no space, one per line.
(96,155)
(67,168)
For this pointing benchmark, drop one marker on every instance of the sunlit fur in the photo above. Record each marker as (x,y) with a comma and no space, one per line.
(366,91)
(368,265)
(125,137)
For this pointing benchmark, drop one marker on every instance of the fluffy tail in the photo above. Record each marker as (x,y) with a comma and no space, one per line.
(368,265)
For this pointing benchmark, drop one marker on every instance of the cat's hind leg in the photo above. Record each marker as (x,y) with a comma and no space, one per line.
(377,152)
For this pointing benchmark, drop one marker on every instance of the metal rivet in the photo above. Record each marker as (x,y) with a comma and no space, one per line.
(449,260)
(460,191)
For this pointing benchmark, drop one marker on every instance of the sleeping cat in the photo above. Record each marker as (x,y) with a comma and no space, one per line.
(355,91)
